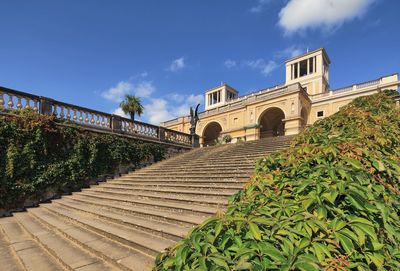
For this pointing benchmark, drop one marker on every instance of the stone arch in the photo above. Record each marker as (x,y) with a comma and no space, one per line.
(271,122)
(211,132)
(304,117)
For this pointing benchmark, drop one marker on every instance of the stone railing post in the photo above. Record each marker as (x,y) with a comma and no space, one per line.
(161,134)
(116,123)
(46,106)
(195,141)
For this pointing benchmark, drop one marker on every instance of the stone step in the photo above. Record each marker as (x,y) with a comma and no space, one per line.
(176,217)
(70,255)
(192,170)
(124,217)
(133,191)
(207,186)
(146,205)
(14,253)
(242,162)
(119,255)
(142,241)
(226,191)
(205,181)
(188,199)
(198,167)
(208,177)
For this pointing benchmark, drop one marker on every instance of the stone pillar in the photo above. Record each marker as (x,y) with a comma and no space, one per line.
(252,132)
(161,133)
(195,141)
(46,106)
(116,123)
(293,126)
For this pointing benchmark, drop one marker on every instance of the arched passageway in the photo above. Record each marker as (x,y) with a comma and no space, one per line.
(271,123)
(211,133)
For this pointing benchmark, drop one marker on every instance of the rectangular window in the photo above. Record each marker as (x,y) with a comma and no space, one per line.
(311,64)
(320,114)
(214,98)
(296,71)
(303,68)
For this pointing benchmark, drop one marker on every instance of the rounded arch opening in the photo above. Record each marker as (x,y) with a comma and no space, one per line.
(211,132)
(271,123)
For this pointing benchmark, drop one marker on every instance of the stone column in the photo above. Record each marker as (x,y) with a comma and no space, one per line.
(46,106)
(161,133)
(116,123)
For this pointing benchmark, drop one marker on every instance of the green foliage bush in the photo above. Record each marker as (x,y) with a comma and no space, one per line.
(36,155)
(329,202)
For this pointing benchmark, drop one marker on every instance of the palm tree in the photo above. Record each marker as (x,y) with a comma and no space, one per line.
(132,105)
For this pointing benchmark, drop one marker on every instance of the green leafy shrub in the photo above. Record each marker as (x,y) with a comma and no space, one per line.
(329,202)
(36,155)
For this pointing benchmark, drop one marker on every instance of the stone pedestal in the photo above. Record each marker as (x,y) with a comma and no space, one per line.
(116,123)
(293,126)
(252,133)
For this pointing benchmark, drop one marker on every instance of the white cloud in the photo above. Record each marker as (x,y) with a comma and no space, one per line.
(193,100)
(117,93)
(143,89)
(156,111)
(260,6)
(300,15)
(229,63)
(119,112)
(289,52)
(177,64)
(263,66)
(176,105)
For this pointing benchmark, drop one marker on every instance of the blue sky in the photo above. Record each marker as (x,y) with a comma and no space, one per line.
(92,52)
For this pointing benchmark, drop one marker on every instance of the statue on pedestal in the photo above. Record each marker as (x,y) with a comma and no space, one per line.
(194,118)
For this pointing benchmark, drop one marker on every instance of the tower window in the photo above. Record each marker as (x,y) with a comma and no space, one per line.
(320,114)
(303,68)
(296,70)
(311,64)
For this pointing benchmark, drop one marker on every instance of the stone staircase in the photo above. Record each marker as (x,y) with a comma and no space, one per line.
(122,224)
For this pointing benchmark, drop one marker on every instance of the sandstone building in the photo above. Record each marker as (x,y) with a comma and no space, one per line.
(286,109)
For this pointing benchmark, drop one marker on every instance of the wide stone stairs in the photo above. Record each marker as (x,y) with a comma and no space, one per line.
(122,224)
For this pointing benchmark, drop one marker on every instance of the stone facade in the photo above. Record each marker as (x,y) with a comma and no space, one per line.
(281,110)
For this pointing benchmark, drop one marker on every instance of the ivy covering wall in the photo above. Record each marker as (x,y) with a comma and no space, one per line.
(329,202)
(37,155)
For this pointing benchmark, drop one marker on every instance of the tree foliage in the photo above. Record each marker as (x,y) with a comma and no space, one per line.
(36,154)
(132,105)
(329,202)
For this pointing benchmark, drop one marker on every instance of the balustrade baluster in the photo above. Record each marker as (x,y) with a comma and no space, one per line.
(92,118)
(27,103)
(62,112)
(86,117)
(97,119)
(75,115)
(102,121)
(1,100)
(10,101)
(55,112)
(19,103)
(35,106)
(68,113)
(80,116)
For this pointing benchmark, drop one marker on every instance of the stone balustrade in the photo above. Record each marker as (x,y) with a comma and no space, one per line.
(13,100)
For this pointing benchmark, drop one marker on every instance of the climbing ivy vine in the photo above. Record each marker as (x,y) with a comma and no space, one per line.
(36,155)
(329,202)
